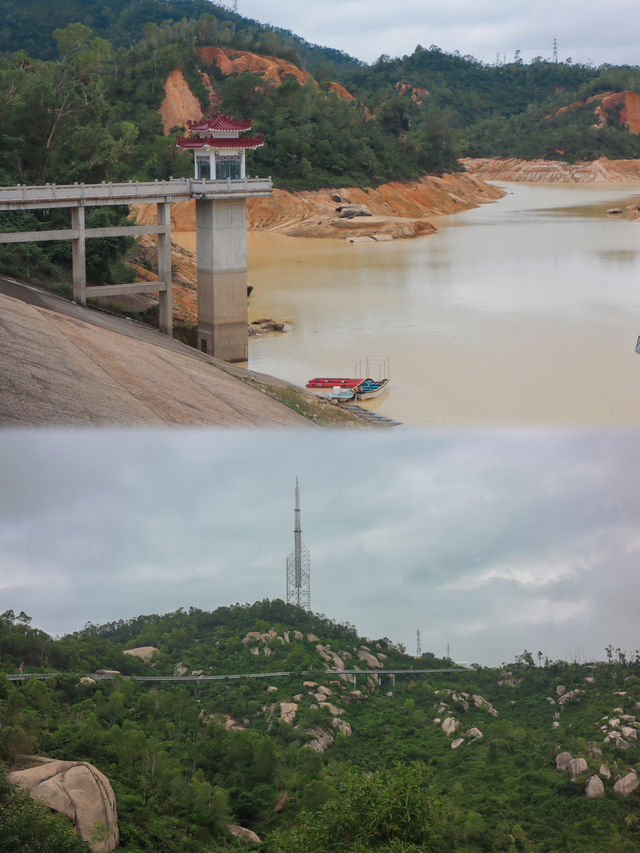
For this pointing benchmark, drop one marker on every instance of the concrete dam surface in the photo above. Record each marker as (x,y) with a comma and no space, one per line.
(64,365)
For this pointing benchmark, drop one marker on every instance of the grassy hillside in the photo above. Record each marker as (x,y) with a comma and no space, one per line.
(311,759)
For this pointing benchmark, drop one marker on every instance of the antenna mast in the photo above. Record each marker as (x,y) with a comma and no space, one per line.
(418,646)
(298,564)
(555,50)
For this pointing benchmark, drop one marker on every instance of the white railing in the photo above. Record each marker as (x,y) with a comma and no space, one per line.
(130,192)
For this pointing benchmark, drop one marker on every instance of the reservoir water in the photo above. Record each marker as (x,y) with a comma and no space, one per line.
(521,312)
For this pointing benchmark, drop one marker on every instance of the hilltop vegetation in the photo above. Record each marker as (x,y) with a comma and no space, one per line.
(310,761)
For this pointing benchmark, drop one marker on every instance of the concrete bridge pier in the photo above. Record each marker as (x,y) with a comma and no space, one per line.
(221,244)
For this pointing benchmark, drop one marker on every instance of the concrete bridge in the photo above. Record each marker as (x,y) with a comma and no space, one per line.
(221,245)
(353,673)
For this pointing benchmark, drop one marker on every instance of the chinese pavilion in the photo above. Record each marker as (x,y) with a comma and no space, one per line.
(219,149)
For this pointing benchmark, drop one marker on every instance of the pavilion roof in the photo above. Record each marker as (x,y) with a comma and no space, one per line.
(218,142)
(220,121)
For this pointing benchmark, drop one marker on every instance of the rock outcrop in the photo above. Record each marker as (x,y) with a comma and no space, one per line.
(627,784)
(78,790)
(243,833)
(145,653)
(594,788)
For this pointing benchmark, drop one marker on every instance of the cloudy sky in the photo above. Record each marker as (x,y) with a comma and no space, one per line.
(493,542)
(586,32)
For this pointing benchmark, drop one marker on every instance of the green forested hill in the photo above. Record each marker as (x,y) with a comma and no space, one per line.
(82,84)
(313,762)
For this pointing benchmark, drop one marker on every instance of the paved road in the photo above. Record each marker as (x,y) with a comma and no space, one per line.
(65,365)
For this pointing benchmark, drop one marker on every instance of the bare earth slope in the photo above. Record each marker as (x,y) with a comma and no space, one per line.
(551,171)
(398,209)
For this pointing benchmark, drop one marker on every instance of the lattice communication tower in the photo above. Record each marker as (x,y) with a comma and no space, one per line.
(298,564)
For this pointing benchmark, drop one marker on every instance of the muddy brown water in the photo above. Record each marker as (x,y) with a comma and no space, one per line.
(521,312)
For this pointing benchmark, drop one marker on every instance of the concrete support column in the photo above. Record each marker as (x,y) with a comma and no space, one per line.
(221,245)
(79,256)
(164,269)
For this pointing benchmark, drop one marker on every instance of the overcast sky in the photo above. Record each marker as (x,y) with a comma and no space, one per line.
(493,542)
(586,32)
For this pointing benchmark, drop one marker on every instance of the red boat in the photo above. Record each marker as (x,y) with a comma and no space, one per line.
(326,384)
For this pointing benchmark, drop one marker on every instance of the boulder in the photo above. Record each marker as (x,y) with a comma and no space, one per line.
(474,733)
(604,771)
(179,670)
(481,702)
(309,684)
(288,711)
(371,660)
(322,740)
(563,759)
(561,689)
(342,726)
(298,635)
(145,653)
(449,725)
(555,724)
(243,834)
(457,742)
(627,784)
(621,743)
(78,790)
(350,211)
(577,766)
(594,788)
(628,733)
(86,679)
(325,690)
(272,689)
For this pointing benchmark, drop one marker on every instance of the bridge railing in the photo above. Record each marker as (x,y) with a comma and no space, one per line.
(129,192)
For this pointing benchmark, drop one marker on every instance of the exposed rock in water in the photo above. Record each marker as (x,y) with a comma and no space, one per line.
(627,784)
(594,788)
(349,211)
(79,791)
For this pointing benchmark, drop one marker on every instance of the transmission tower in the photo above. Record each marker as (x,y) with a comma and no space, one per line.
(298,564)
(418,646)
(555,50)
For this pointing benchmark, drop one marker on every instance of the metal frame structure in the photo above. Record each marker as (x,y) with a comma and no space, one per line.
(298,564)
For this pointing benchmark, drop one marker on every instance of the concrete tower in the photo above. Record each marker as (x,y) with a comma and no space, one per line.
(298,564)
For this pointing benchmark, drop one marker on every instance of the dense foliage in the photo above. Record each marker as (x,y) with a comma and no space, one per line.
(185,759)
(82,83)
